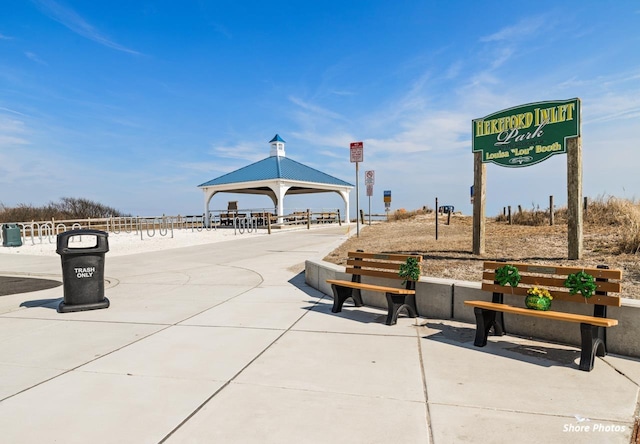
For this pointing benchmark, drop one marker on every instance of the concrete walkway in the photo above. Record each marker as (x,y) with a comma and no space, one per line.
(224,343)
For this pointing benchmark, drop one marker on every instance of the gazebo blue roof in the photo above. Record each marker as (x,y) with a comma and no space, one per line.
(276,167)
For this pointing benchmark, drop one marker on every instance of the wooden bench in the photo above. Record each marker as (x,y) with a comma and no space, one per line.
(298,217)
(260,217)
(226,218)
(592,328)
(376,265)
(327,218)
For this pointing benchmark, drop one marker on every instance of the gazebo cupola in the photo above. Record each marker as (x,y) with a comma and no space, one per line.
(277,146)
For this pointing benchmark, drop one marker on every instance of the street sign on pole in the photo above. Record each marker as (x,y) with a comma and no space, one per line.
(369,190)
(357,152)
(369,177)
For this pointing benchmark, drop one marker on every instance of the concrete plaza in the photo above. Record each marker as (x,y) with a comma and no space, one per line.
(225,343)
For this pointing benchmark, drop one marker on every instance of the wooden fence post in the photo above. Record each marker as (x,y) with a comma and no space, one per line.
(585,207)
(437,213)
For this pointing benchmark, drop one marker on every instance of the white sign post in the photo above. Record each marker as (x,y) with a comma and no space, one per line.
(357,155)
(369,180)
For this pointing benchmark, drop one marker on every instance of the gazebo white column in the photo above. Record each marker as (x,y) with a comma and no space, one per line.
(207,198)
(345,197)
(281,190)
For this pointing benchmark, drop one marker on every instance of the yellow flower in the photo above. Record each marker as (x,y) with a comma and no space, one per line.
(540,292)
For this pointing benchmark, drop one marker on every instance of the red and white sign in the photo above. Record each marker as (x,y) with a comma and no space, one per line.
(357,151)
(369,177)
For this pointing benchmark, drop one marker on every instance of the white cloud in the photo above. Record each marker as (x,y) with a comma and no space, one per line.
(243,151)
(524,28)
(72,20)
(314,110)
(35,58)
(12,132)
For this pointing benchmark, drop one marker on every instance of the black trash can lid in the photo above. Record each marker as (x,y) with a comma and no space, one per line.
(101,245)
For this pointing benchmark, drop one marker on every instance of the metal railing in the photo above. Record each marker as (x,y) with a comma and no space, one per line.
(165,226)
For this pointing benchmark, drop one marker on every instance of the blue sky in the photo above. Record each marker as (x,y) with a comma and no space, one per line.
(134,104)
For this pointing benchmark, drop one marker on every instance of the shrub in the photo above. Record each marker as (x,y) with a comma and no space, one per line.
(610,213)
(533,217)
(402,214)
(67,208)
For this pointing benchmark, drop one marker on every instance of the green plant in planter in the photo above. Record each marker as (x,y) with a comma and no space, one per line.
(538,299)
(410,270)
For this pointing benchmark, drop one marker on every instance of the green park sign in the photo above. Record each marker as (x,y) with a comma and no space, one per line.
(526,134)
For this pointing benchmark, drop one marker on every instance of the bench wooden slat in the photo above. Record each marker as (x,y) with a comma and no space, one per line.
(377,264)
(373,273)
(370,287)
(556,315)
(383,256)
(601,273)
(547,281)
(596,299)
(371,264)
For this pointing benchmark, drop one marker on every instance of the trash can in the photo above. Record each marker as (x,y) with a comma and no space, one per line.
(11,235)
(82,255)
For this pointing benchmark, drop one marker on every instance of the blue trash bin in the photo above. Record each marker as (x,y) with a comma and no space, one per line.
(11,235)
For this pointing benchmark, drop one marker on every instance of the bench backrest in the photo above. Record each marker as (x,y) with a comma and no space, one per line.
(553,278)
(377,264)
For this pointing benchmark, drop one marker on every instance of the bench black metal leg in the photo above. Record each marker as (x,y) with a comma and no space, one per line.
(485,319)
(341,294)
(498,324)
(357,297)
(593,344)
(397,302)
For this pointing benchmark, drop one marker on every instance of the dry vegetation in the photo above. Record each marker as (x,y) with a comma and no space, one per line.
(67,208)
(611,237)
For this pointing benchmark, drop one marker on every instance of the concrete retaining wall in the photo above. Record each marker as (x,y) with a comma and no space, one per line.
(444,299)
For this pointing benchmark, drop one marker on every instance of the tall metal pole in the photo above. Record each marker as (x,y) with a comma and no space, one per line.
(357,201)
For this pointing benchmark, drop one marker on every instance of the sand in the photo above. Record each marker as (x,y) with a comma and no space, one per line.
(121,244)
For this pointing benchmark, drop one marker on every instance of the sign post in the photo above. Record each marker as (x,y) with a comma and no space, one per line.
(356,151)
(526,135)
(369,181)
(387,202)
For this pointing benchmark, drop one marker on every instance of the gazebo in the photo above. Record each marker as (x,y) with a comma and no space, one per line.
(276,176)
